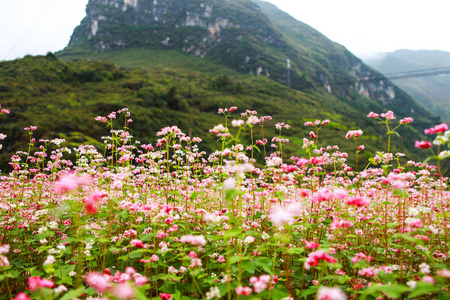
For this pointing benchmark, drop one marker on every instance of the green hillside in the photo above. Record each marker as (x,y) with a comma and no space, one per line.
(63,98)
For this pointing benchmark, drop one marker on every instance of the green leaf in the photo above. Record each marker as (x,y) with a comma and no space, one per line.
(423,288)
(248,266)
(295,250)
(265,263)
(309,291)
(235,258)
(137,253)
(72,294)
(231,233)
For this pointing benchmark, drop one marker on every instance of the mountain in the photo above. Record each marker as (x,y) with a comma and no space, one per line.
(432,90)
(175,62)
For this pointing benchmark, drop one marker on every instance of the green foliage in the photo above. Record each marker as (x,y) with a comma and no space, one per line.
(63,98)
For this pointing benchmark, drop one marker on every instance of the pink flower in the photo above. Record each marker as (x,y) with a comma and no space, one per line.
(354,133)
(428,279)
(373,115)
(322,194)
(389,115)
(98,281)
(341,224)
(38,282)
(194,240)
(311,245)
(358,201)
(302,161)
(123,291)
(22,296)
(137,243)
(326,293)
(369,272)
(196,262)
(406,120)
(140,280)
(316,256)
(165,296)
(154,257)
(441,128)
(4,249)
(423,144)
(92,201)
(70,182)
(243,290)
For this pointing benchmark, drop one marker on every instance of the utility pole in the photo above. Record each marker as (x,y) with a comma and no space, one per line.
(288,64)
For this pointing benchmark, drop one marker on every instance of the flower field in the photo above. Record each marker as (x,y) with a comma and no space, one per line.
(169,221)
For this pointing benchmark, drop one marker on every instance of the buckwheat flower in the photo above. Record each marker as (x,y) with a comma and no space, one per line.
(444,273)
(154,258)
(354,133)
(237,123)
(4,249)
(423,144)
(69,182)
(412,284)
(406,120)
(229,183)
(444,154)
(424,268)
(311,245)
(214,292)
(196,262)
(322,194)
(172,270)
(326,293)
(428,279)
(98,281)
(165,296)
(4,262)
(280,216)
(249,240)
(140,280)
(388,116)
(38,282)
(413,212)
(137,243)
(50,260)
(123,291)
(22,296)
(373,115)
(358,201)
(441,128)
(61,288)
(414,223)
(243,290)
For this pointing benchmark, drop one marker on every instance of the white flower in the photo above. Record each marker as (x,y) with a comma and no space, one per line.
(411,284)
(249,239)
(413,212)
(60,289)
(50,260)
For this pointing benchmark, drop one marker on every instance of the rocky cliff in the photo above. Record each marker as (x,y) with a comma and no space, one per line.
(248,36)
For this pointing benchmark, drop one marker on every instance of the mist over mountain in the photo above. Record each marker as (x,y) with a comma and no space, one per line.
(432,91)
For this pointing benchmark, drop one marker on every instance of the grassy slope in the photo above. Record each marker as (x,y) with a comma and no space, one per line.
(63,98)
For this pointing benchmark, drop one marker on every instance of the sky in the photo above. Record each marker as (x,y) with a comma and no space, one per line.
(364,27)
